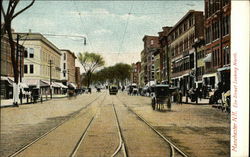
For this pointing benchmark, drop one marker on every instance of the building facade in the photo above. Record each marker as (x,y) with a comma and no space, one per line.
(7,74)
(217,42)
(68,75)
(78,77)
(164,58)
(135,74)
(182,54)
(41,63)
(151,45)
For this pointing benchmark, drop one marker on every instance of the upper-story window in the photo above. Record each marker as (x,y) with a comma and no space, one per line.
(185,26)
(25,53)
(191,22)
(151,42)
(25,68)
(31,52)
(64,56)
(64,65)
(31,68)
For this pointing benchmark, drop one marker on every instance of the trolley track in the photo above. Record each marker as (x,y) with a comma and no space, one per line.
(175,151)
(122,145)
(73,154)
(75,115)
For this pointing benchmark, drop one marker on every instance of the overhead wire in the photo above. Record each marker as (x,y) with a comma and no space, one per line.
(82,23)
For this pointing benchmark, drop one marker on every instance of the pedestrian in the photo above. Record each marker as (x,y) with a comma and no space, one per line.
(180,97)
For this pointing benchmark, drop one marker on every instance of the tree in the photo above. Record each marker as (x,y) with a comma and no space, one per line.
(113,74)
(90,62)
(8,15)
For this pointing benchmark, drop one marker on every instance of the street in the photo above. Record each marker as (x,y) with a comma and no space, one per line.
(100,124)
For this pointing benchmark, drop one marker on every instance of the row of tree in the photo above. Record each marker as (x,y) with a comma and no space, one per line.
(112,74)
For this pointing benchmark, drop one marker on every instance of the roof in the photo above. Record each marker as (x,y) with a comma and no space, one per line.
(40,37)
(183,18)
(72,53)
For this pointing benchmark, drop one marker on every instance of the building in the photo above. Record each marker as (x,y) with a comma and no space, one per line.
(7,74)
(180,48)
(151,45)
(142,76)
(217,42)
(164,58)
(135,74)
(68,75)
(78,77)
(41,63)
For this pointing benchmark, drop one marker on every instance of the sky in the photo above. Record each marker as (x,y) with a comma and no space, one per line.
(113,28)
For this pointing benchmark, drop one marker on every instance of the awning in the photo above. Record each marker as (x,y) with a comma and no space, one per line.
(71,85)
(223,68)
(209,75)
(208,58)
(10,81)
(31,82)
(23,85)
(44,83)
(61,85)
(54,84)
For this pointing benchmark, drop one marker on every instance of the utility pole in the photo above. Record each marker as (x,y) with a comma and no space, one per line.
(17,53)
(50,73)
(21,92)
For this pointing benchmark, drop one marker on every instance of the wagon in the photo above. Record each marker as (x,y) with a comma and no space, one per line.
(161,96)
(113,89)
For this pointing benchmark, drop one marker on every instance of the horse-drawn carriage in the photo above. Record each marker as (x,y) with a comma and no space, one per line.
(161,96)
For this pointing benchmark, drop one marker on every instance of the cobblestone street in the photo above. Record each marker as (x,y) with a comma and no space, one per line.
(198,130)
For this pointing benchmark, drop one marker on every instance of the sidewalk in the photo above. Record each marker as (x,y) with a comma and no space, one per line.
(9,102)
(200,102)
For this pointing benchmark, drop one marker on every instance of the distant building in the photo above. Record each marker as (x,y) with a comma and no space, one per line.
(164,58)
(151,44)
(135,74)
(68,75)
(143,68)
(181,40)
(7,74)
(41,60)
(217,40)
(78,77)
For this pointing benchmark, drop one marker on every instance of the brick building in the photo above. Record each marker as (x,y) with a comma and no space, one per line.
(78,77)
(68,75)
(135,74)
(180,48)
(151,45)
(164,58)
(217,39)
(7,74)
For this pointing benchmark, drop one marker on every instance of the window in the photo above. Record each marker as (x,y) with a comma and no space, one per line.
(31,68)
(31,52)
(25,68)
(64,65)
(64,56)
(64,74)
(25,53)
(151,42)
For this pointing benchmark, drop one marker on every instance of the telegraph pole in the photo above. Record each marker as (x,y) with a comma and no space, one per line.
(50,73)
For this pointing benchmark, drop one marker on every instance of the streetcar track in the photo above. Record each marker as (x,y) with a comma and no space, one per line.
(51,130)
(172,145)
(121,137)
(78,144)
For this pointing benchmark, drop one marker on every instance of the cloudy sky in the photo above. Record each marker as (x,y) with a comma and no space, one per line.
(110,27)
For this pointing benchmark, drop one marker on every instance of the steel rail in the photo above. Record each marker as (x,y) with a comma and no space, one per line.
(122,142)
(46,133)
(78,144)
(172,145)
